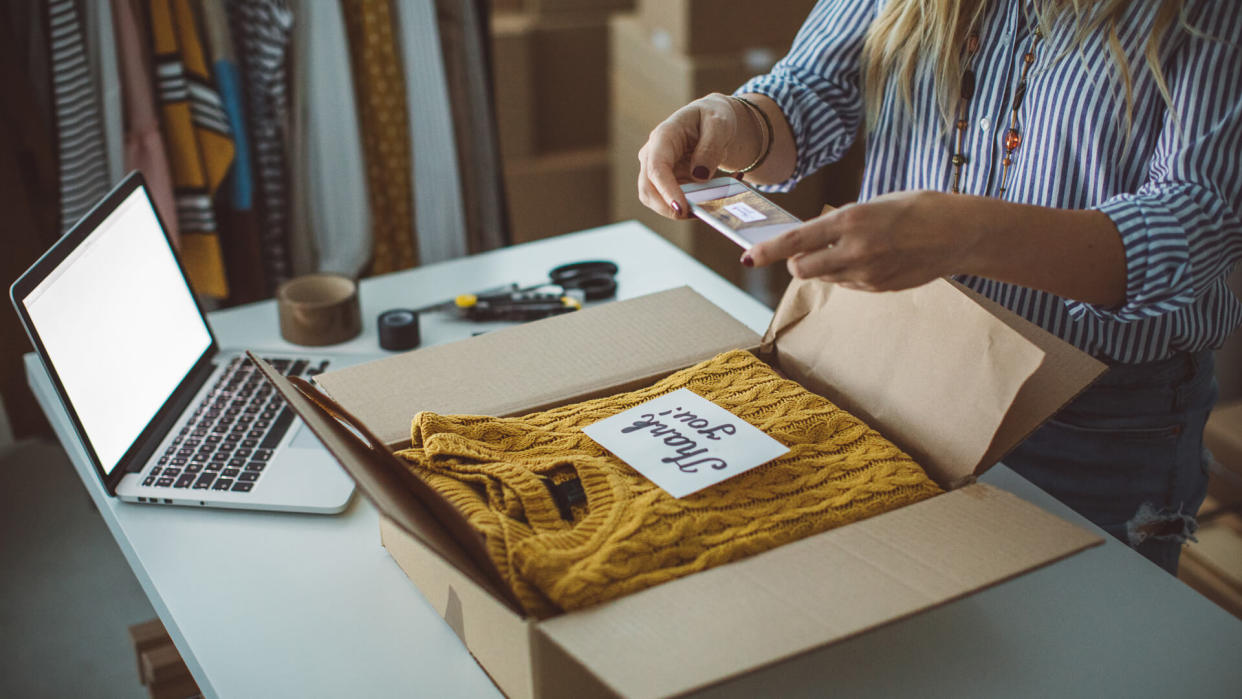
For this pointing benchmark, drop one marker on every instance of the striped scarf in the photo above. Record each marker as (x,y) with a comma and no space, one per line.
(83,164)
(261,32)
(200,147)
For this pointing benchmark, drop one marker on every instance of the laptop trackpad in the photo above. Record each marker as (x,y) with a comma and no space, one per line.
(304,438)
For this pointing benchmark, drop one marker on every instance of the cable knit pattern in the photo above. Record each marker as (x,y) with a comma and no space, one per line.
(632,535)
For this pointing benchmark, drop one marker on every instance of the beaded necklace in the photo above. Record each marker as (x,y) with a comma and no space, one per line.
(963,104)
(1013,137)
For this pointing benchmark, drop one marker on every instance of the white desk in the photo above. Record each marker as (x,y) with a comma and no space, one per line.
(278,605)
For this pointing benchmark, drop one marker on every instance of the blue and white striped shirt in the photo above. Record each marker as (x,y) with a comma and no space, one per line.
(1174,189)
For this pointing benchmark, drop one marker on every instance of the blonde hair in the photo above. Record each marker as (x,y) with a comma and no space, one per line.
(908,32)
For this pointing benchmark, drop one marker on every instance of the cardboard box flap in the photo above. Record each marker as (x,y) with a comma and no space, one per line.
(733,619)
(1065,372)
(395,491)
(531,366)
(955,417)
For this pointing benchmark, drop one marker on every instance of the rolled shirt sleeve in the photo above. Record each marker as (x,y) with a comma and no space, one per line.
(1181,229)
(817,84)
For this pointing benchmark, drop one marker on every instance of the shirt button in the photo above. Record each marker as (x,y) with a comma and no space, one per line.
(985,124)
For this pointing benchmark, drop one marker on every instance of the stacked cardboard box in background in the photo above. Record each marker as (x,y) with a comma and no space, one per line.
(577,96)
(1213,564)
(550,68)
(160,667)
(672,52)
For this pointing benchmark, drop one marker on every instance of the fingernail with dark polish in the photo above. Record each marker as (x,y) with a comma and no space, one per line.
(701,173)
(748,260)
(676,208)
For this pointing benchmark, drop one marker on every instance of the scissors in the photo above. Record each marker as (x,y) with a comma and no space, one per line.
(597,279)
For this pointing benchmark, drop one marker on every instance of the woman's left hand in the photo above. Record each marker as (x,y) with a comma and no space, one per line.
(896,241)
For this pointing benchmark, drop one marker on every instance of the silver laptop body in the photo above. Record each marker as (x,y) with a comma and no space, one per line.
(165,416)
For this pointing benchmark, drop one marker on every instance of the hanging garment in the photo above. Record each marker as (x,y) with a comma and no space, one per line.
(379,84)
(570,525)
(330,186)
(235,209)
(28,134)
(303,254)
(439,216)
(240,189)
(33,51)
(75,98)
(200,147)
(464,41)
(143,146)
(261,33)
(101,42)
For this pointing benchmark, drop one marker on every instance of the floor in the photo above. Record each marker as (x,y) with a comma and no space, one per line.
(67,596)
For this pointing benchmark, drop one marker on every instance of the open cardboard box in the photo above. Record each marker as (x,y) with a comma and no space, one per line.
(952,378)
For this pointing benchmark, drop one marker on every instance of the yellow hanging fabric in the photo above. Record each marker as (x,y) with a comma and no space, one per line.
(379,86)
(199,141)
(629,534)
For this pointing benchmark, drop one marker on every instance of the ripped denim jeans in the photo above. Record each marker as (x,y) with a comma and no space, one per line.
(1128,453)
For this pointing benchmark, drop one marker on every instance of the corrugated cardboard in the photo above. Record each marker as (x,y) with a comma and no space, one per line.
(560,193)
(579,354)
(571,90)
(175,688)
(1212,565)
(145,636)
(816,591)
(1223,437)
(665,77)
(1220,546)
(1209,584)
(718,26)
(551,85)
(513,74)
(162,664)
(770,607)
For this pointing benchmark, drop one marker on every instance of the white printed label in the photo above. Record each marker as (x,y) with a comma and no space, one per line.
(683,442)
(744,212)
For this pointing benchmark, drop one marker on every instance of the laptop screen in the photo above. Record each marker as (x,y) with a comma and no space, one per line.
(120,326)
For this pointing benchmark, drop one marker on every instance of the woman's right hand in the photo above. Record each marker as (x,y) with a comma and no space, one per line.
(708,133)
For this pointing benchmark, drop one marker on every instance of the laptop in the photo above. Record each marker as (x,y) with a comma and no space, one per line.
(165,415)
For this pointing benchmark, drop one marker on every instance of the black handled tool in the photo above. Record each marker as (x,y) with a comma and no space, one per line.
(568,287)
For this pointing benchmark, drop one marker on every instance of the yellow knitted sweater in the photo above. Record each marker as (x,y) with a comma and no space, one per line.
(631,535)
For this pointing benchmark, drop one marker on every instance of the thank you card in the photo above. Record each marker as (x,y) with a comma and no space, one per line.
(684,442)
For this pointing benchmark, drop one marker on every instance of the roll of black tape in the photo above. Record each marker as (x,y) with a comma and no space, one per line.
(398,330)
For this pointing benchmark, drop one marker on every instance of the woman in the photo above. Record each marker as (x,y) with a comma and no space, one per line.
(1079,162)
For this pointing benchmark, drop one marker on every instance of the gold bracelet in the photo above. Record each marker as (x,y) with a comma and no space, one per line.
(765,132)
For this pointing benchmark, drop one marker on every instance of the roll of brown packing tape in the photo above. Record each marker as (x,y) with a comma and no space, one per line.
(319,309)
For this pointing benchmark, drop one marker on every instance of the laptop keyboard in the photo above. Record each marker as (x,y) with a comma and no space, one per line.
(228,440)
